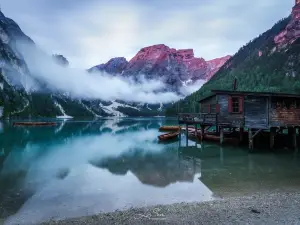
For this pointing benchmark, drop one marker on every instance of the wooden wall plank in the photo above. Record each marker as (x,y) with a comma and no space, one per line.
(256,114)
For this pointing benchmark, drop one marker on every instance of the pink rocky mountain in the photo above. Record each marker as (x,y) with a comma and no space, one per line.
(292,30)
(215,64)
(174,67)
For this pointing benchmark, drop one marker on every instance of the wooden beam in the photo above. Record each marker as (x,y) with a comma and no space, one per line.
(279,130)
(256,133)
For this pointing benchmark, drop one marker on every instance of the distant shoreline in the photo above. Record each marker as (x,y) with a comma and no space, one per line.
(264,208)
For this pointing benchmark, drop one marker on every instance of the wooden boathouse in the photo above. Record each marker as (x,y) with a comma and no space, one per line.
(254,112)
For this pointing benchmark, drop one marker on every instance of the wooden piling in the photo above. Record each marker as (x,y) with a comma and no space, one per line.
(221,155)
(221,135)
(180,136)
(241,134)
(196,135)
(250,139)
(202,132)
(272,137)
(187,135)
(293,137)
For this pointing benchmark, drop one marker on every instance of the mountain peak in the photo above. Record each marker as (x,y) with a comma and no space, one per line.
(114,66)
(175,67)
(1,15)
(183,61)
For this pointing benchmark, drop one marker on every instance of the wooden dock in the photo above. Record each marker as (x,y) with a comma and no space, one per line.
(250,113)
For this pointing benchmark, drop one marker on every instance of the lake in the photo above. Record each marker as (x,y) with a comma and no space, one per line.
(80,168)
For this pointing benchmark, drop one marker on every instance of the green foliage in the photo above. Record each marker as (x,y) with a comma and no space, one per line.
(275,71)
(74,108)
(42,105)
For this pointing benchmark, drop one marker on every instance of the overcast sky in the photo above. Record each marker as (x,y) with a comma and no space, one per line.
(90,32)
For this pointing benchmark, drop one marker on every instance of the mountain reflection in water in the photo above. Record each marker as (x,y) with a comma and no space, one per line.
(83,168)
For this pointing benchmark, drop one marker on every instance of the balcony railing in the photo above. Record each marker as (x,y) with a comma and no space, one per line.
(209,118)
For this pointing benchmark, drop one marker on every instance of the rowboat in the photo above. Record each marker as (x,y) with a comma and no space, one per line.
(34,124)
(169,128)
(213,137)
(168,136)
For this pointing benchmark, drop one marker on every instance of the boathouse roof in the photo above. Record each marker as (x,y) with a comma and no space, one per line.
(249,93)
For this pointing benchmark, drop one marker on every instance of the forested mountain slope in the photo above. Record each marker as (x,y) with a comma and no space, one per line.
(260,65)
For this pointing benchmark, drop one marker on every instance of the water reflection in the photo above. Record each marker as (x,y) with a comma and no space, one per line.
(82,168)
(231,171)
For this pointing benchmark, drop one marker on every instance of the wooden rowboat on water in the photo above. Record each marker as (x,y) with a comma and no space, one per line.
(168,136)
(169,128)
(34,124)
(212,137)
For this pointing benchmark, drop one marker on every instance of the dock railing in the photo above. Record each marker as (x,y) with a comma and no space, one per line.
(209,118)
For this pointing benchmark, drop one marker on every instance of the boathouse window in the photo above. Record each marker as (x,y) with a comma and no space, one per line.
(280,103)
(235,104)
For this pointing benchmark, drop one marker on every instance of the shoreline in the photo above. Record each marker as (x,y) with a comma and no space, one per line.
(263,208)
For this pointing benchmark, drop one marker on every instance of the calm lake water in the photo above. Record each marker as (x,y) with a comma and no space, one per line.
(80,168)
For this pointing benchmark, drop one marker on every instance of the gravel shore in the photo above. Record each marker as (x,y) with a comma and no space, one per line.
(275,208)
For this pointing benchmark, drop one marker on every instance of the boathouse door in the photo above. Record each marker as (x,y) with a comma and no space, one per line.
(256,111)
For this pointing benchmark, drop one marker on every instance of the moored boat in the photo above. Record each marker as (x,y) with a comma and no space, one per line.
(34,124)
(214,137)
(168,136)
(169,128)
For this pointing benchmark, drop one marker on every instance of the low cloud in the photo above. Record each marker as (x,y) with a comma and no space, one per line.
(79,83)
(189,89)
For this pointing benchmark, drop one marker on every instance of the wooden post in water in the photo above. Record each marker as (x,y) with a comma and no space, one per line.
(272,137)
(179,136)
(241,134)
(221,155)
(196,136)
(293,134)
(187,135)
(296,137)
(202,132)
(250,139)
(221,135)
